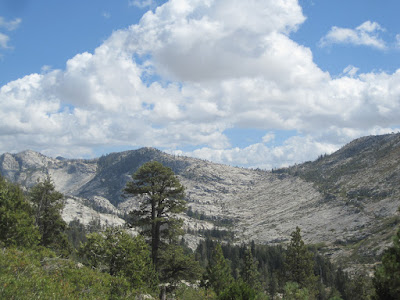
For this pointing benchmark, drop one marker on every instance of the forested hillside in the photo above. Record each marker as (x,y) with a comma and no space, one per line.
(43,258)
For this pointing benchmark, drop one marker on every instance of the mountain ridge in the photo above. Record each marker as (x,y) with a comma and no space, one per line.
(347,200)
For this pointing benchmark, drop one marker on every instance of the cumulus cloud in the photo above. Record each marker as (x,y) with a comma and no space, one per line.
(367,34)
(206,40)
(185,74)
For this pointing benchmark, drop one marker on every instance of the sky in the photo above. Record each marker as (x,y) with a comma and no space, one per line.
(257,83)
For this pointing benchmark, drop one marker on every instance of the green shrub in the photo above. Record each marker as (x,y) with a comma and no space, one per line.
(16,222)
(239,290)
(190,293)
(292,291)
(35,275)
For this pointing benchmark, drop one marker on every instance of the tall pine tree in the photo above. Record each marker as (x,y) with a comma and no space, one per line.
(16,222)
(47,205)
(218,273)
(161,197)
(249,273)
(299,263)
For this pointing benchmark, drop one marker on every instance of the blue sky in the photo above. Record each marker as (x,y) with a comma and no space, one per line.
(322,15)
(247,83)
(51,32)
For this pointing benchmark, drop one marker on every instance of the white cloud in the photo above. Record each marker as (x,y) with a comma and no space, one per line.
(205,40)
(141,3)
(46,68)
(10,25)
(367,34)
(350,70)
(294,150)
(369,26)
(224,65)
(269,137)
(4,40)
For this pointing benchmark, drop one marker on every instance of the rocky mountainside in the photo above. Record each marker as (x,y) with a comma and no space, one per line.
(345,202)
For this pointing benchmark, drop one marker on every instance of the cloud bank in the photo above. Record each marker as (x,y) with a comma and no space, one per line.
(189,71)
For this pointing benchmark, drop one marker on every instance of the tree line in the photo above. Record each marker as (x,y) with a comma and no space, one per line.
(42,257)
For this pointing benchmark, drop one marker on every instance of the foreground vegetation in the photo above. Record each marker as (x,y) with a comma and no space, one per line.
(43,258)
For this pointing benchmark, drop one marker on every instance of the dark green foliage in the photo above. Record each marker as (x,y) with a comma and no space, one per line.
(175,266)
(220,234)
(76,233)
(218,273)
(270,265)
(293,291)
(387,276)
(269,260)
(16,222)
(216,220)
(249,272)
(47,205)
(355,287)
(361,287)
(341,281)
(299,263)
(117,253)
(161,196)
(323,267)
(273,285)
(240,290)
